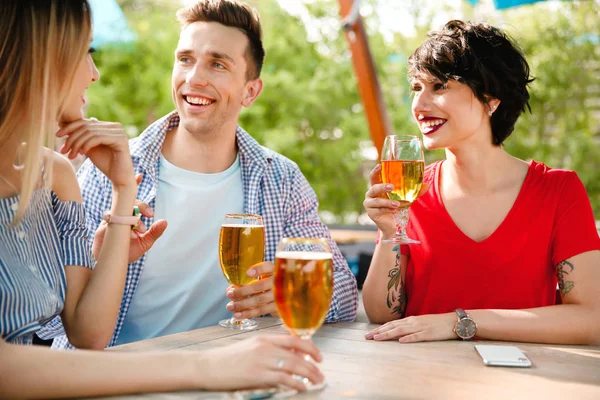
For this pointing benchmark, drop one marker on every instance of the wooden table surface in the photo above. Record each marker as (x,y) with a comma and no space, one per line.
(359,369)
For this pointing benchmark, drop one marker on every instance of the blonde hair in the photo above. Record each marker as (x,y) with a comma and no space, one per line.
(41,45)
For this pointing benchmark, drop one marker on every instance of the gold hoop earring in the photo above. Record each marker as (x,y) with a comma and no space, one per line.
(19,162)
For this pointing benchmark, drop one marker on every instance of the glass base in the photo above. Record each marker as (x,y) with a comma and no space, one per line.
(400,240)
(311,387)
(239,324)
(281,392)
(307,383)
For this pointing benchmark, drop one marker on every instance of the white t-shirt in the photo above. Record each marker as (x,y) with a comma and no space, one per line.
(182,286)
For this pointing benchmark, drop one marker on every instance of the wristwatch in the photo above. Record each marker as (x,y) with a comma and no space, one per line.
(119,220)
(465,328)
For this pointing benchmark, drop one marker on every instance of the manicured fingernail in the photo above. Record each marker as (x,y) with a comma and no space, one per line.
(251,272)
(369,336)
(230,294)
(377,337)
(389,187)
(230,307)
(238,315)
(395,204)
(150,212)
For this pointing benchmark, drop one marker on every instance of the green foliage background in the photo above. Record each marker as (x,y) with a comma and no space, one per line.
(310,110)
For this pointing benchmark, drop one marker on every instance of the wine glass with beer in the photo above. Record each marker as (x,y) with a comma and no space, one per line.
(402,165)
(303,286)
(241,245)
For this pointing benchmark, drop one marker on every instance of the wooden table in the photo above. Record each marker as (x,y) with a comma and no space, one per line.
(347,236)
(359,369)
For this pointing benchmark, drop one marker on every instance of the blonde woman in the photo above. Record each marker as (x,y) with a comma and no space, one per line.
(45,263)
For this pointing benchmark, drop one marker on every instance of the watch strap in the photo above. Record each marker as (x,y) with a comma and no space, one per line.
(461,313)
(121,220)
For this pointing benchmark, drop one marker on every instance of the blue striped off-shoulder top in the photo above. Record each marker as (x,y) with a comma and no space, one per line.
(33,254)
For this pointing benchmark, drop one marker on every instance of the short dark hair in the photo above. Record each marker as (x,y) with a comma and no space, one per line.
(485,59)
(234,14)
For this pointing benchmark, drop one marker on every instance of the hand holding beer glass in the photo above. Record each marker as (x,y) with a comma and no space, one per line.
(402,165)
(303,286)
(241,245)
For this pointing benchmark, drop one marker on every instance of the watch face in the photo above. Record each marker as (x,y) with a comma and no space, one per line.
(466,328)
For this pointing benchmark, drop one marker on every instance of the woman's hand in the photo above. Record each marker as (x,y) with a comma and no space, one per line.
(379,208)
(105,143)
(423,328)
(142,239)
(263,361)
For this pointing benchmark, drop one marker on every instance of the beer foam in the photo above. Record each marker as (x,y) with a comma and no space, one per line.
(304,255)
(240,226)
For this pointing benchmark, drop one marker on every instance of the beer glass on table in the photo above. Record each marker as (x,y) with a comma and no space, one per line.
(241,245)
(303,286)
(402,165)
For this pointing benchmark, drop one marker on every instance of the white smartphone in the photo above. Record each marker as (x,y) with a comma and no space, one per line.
(502,356)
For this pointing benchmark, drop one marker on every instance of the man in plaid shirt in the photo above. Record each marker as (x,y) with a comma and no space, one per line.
(197,164)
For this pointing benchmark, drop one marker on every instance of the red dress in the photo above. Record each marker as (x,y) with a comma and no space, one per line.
(514,268)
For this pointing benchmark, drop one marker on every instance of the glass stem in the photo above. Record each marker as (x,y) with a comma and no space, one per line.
(401,220)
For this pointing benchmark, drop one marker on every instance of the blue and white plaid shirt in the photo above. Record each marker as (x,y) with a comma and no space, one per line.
(274,187)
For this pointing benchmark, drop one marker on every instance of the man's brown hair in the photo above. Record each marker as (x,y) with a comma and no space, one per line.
(234,14)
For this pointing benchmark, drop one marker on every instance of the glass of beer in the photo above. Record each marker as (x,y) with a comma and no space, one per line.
(241,245)
(402,165)
(303,286)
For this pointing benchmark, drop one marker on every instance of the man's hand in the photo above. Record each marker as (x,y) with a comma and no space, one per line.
(256,298)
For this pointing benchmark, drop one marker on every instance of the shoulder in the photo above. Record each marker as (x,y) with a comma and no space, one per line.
(556,187)
(253,152)
(64,181)
(282,163)
(552,179)
(287,175)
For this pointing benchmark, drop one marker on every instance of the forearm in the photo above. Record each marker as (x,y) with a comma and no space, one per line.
(559,324)
(95,315)
(36,372)
(383,303)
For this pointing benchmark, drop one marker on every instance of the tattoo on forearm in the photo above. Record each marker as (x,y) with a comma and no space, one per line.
(564,268)
(396,295)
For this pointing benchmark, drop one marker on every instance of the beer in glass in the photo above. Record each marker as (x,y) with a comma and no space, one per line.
(303,286)
(241,245)
(402,165)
